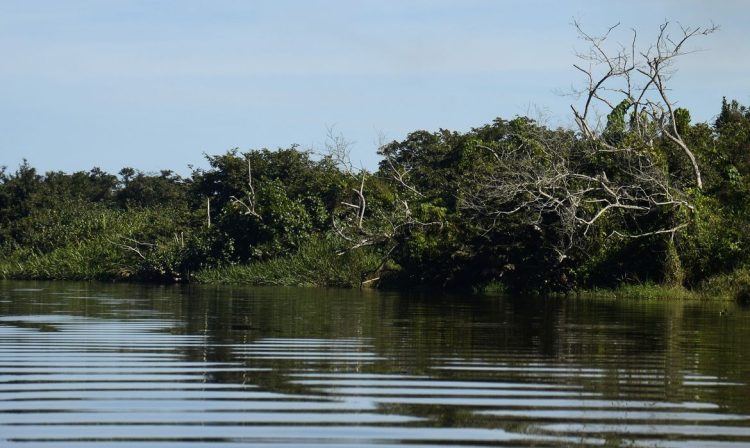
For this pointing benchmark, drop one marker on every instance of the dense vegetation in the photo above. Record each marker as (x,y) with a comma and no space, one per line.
(439,212)
(635,195)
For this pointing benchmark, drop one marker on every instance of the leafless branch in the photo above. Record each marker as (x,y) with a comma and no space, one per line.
(338,148)
(249,202)
(134,246)
(561,184)
(637,78)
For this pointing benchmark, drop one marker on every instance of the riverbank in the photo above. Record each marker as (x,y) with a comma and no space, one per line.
(437,214)
(315,265)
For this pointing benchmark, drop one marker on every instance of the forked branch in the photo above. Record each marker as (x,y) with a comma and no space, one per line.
(624,75)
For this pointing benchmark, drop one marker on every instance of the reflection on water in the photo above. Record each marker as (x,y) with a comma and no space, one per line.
(124,365)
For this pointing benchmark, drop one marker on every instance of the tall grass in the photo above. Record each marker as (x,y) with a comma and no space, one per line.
(79,243)
(316,263)
(644,291)
(89,260)
(735,285)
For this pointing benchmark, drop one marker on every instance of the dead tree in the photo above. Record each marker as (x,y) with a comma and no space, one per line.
(350,223)
(383,226)
(573,182)
(624,75)
(249,202)
(549,178)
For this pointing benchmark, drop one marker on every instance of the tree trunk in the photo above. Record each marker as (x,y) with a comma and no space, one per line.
(674,274)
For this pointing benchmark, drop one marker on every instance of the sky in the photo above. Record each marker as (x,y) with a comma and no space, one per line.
(156,84)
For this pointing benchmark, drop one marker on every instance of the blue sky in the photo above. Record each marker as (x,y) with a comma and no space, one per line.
(154,84)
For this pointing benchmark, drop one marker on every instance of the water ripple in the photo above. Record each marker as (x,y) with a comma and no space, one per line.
(132,376)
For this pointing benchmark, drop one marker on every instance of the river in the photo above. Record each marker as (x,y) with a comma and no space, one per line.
(87,364)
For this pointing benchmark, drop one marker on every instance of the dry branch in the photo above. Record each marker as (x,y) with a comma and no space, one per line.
(639,79)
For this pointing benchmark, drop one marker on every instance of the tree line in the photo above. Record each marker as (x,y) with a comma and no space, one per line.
(637,193)
(512,201)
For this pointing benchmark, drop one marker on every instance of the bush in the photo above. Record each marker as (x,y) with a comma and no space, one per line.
(84,241)
(735,284)
(716,243)
(318,262)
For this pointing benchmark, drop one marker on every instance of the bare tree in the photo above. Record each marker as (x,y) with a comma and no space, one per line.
(571,183)
(248,203)
(339,150)
(383,226)
(547,178)
(349,225)
(624,75)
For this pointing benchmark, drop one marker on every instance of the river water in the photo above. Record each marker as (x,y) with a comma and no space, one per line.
(85,364)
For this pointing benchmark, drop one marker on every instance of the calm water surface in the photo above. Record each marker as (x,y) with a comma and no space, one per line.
(135,366)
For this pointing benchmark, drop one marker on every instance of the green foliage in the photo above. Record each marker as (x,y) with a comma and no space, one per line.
(78,240)
(716,242)
(318,262)
(615,132)
(70,242)
(142,190)
(16,194)
(644,291)
(285,217)
(735,284)
(622,261)
(267,203)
